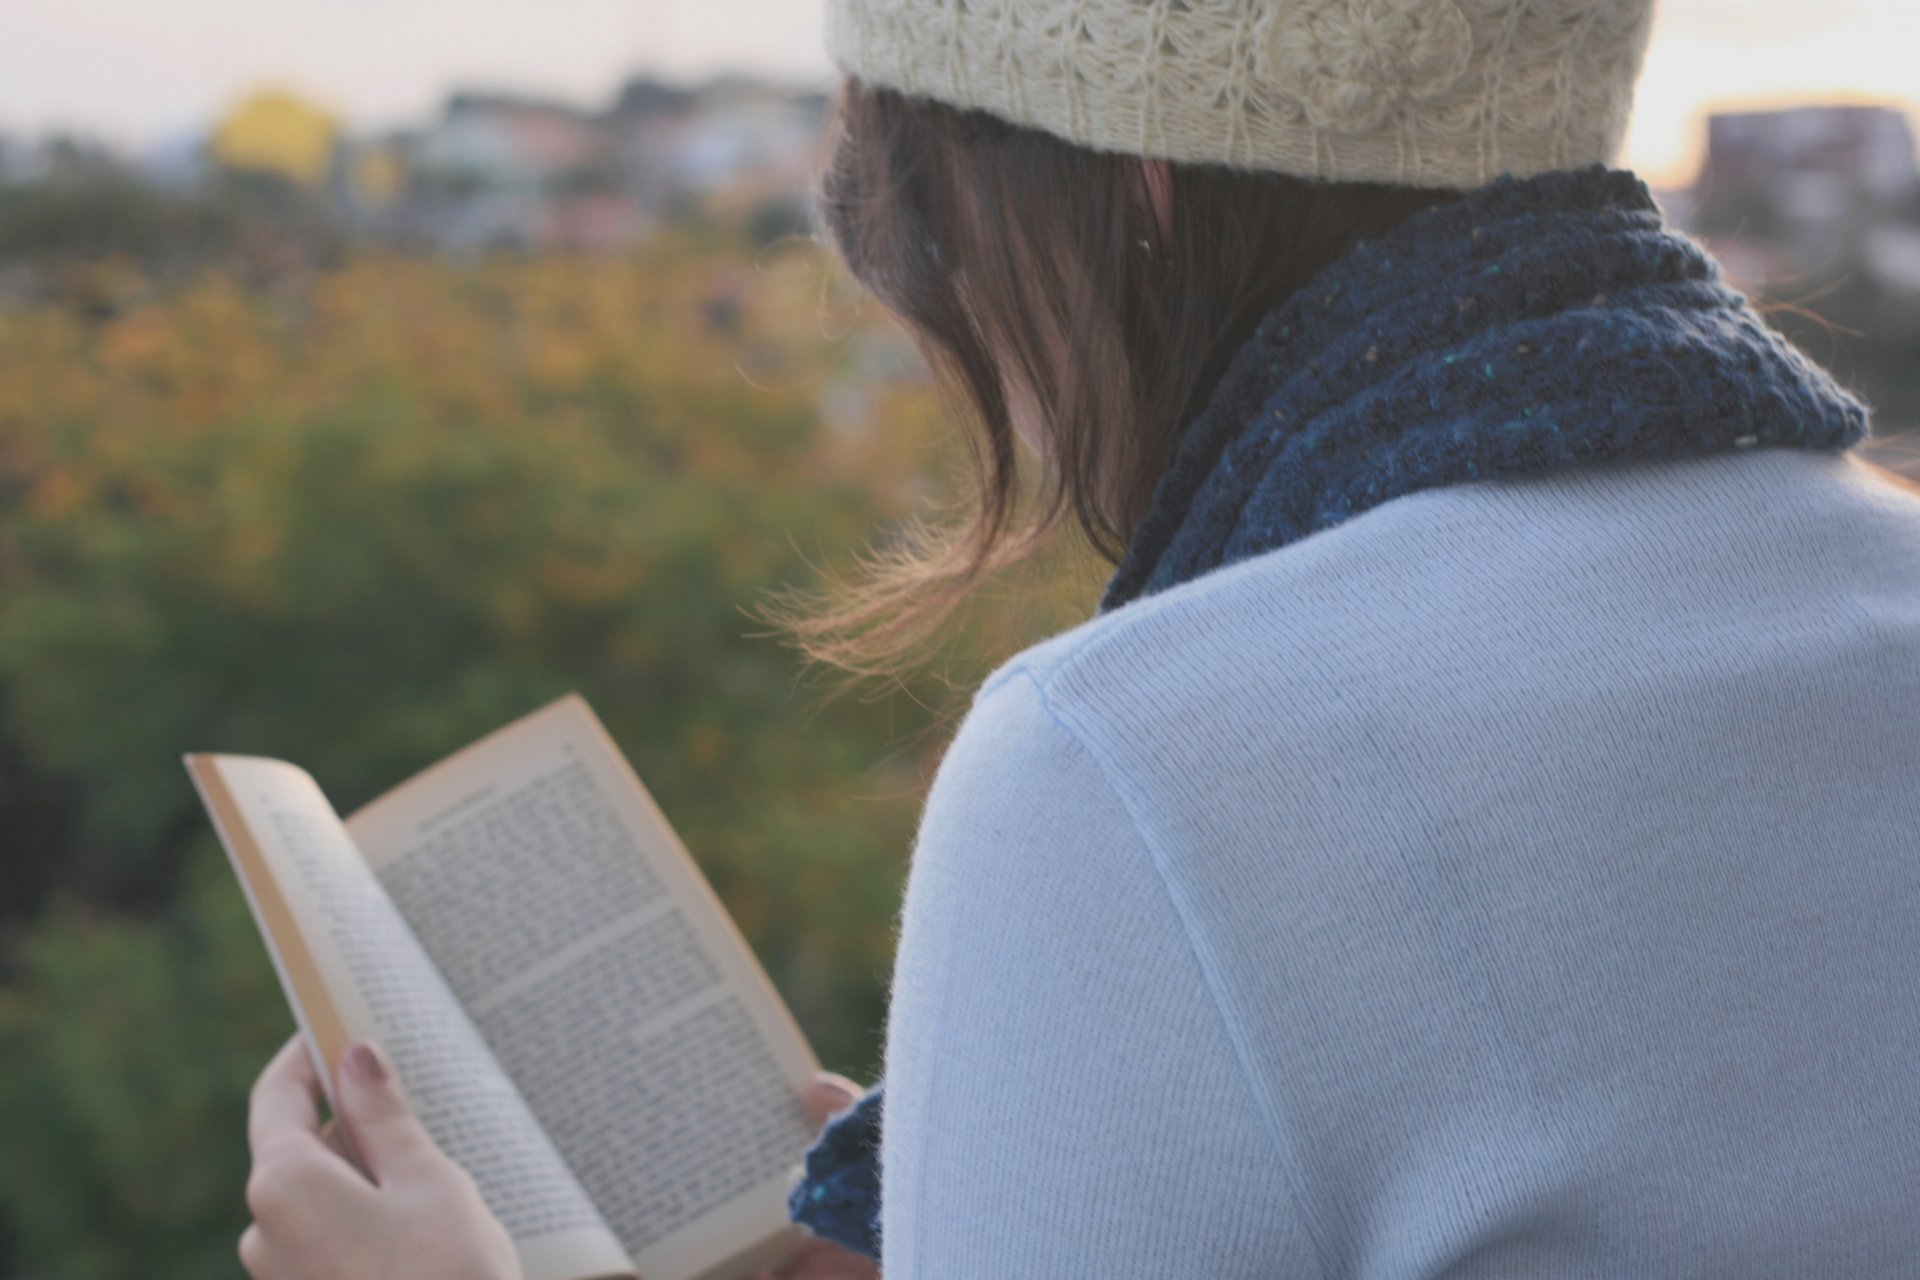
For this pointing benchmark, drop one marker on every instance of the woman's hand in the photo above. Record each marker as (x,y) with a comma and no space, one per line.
(412,1214)
(826,1096)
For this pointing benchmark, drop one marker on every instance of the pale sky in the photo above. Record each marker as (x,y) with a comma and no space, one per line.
(143,71)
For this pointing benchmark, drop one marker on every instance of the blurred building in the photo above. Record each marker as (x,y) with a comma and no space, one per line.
(1813,165)
(502,142)
(1816,211)
(505,171)
(746,139)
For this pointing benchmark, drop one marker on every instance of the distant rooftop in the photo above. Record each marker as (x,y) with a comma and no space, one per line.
(1872,146)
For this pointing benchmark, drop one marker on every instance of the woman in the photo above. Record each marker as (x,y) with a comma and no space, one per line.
(1478,833)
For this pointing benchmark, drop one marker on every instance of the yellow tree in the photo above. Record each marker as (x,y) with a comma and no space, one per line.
(277,131)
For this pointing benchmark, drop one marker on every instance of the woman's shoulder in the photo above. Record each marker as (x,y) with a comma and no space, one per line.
(1475,595)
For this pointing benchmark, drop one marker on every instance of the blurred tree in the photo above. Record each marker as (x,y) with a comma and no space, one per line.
(277,131)
(357,526)
(129,1048)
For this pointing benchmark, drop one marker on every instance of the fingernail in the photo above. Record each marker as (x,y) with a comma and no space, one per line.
(365,1062)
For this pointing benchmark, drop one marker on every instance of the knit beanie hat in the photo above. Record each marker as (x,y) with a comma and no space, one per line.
(1430,93)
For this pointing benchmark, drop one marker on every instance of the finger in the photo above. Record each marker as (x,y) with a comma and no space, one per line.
(824,1260)
(284,1105)
(253,1252)
(828,1094)
(378,1116)
(840,1082)
(335,1135)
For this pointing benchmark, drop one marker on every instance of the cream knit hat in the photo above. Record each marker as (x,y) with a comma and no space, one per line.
(1432,93)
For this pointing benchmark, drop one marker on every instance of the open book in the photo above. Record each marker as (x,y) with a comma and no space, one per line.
(573,1014)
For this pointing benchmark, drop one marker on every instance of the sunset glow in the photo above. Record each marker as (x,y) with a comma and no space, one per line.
(141,72)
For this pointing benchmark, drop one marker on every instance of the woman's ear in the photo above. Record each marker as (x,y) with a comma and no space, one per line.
(1158,178)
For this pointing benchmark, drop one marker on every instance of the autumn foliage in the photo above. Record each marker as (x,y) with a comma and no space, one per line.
(357,519)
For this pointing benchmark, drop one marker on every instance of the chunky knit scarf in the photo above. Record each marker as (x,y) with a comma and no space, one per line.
(1532,324)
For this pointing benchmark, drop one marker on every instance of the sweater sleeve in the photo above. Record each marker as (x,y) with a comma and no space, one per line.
(1063,1097)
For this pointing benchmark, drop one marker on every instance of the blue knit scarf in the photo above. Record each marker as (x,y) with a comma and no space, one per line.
(1531,324)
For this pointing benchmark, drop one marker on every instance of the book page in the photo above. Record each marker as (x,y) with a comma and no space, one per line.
(609,982)
(353,969)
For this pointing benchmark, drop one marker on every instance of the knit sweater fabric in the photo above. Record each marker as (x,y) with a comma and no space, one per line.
(1502,871)
(1431,93)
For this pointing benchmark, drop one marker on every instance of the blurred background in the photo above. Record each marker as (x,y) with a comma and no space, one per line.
(370,374)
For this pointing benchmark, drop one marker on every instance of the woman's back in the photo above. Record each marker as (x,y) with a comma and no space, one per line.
(1528,871)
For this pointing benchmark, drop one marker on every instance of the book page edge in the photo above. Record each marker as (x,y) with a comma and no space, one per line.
(452,762)
(314,1007)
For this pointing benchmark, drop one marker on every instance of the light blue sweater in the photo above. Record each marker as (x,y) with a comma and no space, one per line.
(1519,879)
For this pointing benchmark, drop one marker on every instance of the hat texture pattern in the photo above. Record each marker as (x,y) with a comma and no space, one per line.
(1433,93)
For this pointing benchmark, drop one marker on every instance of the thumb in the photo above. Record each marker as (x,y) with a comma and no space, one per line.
(377,1113)
(828,1094)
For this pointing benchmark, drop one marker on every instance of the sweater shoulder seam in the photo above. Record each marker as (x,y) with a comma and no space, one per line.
(1132,800)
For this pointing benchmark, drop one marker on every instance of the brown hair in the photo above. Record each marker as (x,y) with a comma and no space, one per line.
(1018,260)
